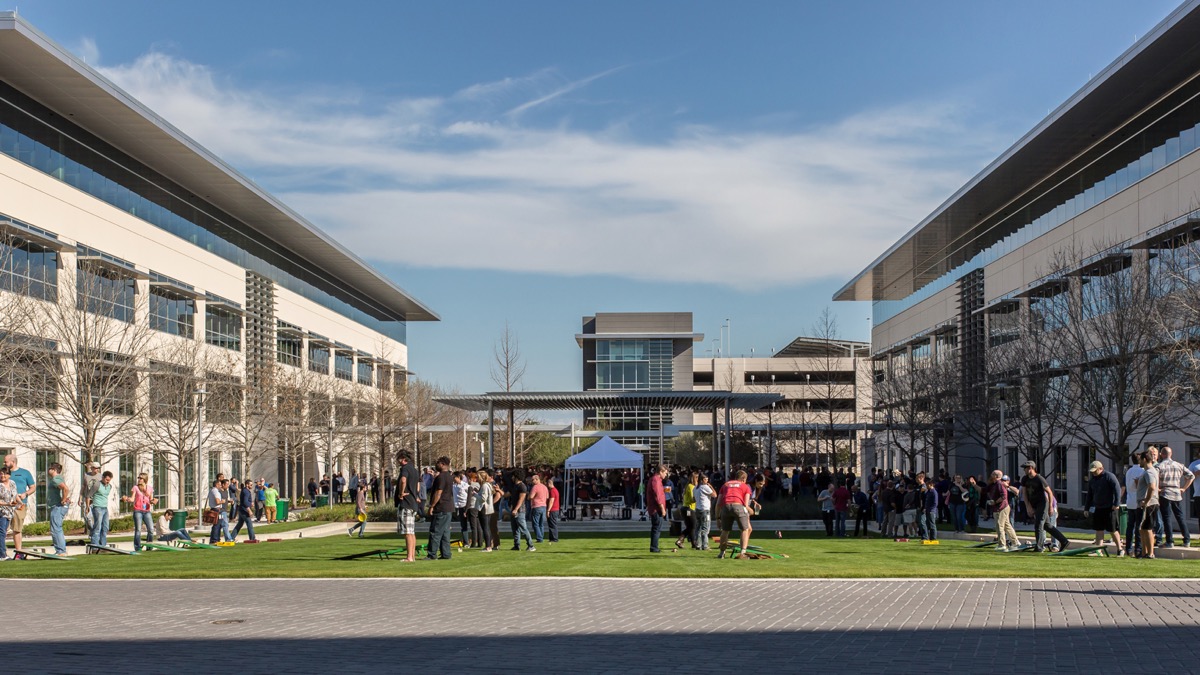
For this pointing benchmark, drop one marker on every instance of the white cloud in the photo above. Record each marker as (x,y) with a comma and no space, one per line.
(451,182)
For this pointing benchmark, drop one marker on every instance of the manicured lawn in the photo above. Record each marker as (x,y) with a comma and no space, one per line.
(602,555)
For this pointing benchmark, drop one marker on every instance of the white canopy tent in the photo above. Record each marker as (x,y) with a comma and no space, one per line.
(603,454)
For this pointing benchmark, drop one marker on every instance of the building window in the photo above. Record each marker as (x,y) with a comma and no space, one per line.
(223,328)
(366,373)
(171,388)
(289,350)
(31,377)
(161,479)
(237,465)
(319,411)
(318,358)
(29,269)
(1004,324)
(1103,286)
(1060,474)
(223,405)
(43,460)
(214,466)
(106,291)
(126,478)
(189,479)
(1051,311)
(343,366)
(108,382)
(343,412)
(172,313)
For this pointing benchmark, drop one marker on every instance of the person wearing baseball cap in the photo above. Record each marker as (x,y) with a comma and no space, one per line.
(1103,501)
(1038,497)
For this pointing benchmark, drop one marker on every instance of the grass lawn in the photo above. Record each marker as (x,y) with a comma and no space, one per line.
(602,555)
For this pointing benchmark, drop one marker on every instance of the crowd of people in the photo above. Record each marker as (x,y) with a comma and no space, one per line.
(691,499)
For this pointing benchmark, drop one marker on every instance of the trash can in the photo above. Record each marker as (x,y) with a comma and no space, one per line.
(179,520)
(322,500)
(1123,520)
(281,509)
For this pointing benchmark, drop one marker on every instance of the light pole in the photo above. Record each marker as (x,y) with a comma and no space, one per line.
(771,425)
(1000,387)
(329,460)
(199,393)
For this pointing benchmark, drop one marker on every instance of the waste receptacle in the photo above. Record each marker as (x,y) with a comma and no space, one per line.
(322,500)
(1123,520)
(281,509)
(179,520)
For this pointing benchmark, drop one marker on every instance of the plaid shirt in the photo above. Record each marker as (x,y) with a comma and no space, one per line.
(1170,477)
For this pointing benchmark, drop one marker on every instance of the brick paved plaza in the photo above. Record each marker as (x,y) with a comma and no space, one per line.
(601,625)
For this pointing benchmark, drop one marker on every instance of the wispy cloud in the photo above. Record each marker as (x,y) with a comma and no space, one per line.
(450,182)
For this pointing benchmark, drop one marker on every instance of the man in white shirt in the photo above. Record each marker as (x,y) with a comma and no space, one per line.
(703,494)
(1133,543)
(217,497)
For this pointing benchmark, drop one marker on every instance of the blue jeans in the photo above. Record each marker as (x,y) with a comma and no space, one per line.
(656,525)
(539,523)
(839,523)
(927,523)
(220,529)
(57,514)
(4,529)
(960,516)
(520,528)
(99,526)
(1167,509)
(439,536)
(177,534)
(140,517)
(244,518)
(700,534)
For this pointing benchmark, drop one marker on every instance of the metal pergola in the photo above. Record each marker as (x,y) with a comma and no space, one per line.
(711,401)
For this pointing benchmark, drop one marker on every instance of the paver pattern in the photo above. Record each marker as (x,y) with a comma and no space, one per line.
(602,625)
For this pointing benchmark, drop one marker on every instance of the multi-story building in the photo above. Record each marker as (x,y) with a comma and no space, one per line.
(1106,189)
(637,351)
(144,280)
(826,385)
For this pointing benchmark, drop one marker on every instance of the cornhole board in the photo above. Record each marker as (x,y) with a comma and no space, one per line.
(930,542)
(151,546)
(381,553)
(1085,550)
(22,554)
(984,544)
(757,551)
(1021,549)
(92,548)
(194,544)
(226,544)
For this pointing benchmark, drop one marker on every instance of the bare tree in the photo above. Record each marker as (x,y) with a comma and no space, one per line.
(81,358)
(508,371)
(1124,371)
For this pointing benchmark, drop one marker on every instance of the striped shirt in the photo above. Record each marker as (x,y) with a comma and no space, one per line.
(1170,477)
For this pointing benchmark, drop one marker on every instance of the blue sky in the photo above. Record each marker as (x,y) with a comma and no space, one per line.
(535,162)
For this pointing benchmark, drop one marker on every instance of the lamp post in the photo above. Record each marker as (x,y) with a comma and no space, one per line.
(771,426)
(1001,387)
(199,393)
(329,460)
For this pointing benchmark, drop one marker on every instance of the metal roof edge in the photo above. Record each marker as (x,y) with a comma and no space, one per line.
(11,20)
(1137,48)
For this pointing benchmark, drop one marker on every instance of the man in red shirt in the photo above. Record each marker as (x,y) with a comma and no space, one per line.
(733,503)
(656,501)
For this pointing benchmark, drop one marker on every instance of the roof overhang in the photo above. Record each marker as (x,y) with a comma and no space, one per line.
(694,337)
(44,71)
(610,400)
(1167,55)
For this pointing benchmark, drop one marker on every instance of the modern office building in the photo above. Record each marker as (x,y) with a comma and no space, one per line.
(637,351)
(109,212)
(1109,181)
(826,385)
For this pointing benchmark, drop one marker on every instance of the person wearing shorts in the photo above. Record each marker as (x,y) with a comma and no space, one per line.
(734,503)
(1147,494)
(1103,501)
(408,503)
